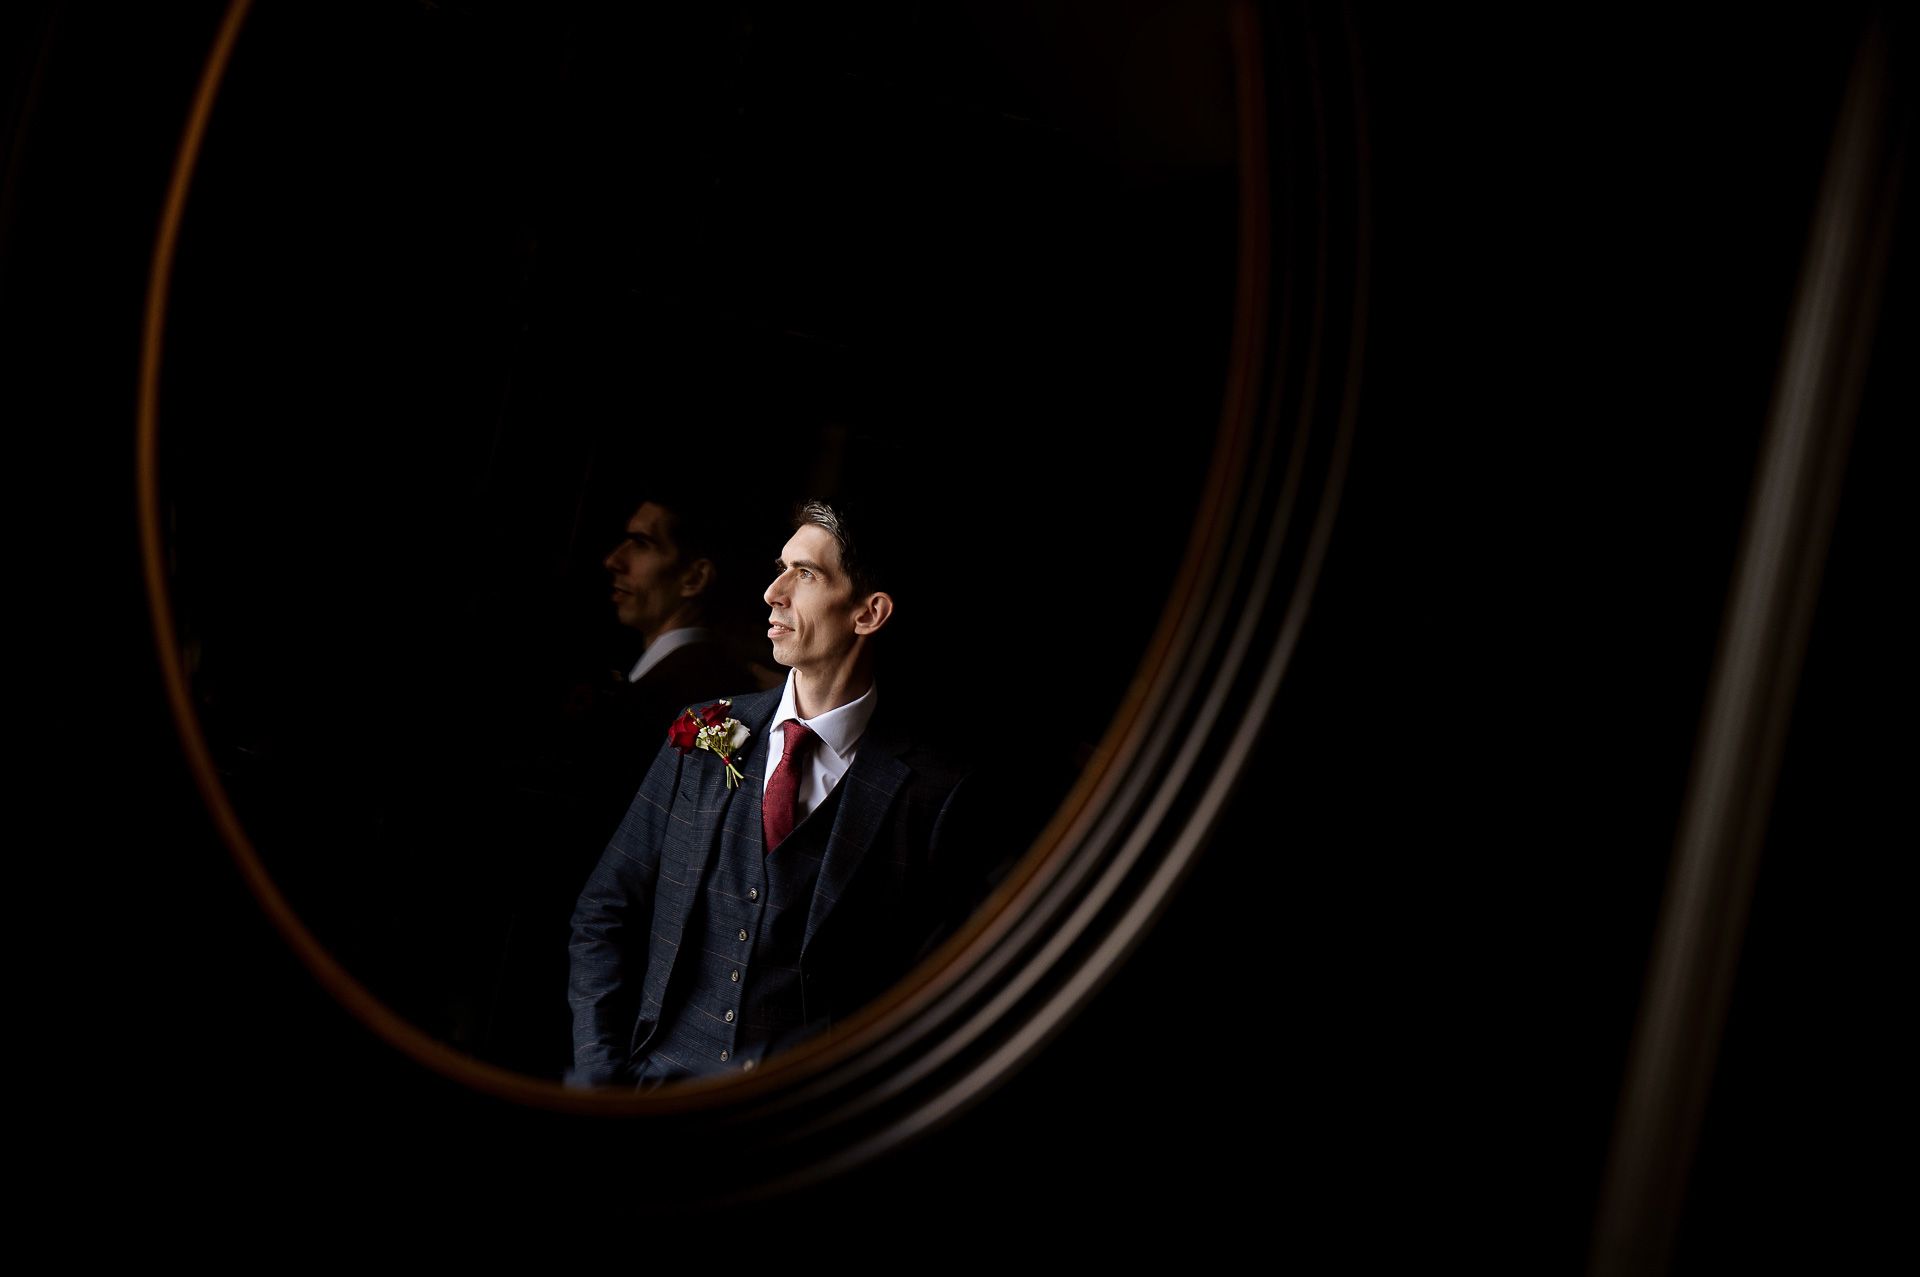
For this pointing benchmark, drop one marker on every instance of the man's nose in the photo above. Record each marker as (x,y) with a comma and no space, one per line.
(613,559)
(776,591)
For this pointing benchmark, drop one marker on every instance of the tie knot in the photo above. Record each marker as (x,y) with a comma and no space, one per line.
(797,734)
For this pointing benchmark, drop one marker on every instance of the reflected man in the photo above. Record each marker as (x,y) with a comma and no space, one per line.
(665,575)
(727,922)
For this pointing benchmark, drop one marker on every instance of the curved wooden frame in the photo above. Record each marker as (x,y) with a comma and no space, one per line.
(1108,861)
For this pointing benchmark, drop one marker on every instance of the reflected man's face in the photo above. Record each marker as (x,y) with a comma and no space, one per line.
(811,603)
(649,581)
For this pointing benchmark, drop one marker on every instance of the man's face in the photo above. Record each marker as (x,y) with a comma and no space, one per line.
(812,605)
(649,581)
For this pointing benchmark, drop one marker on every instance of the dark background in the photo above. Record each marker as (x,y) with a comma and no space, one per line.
(1388,1013)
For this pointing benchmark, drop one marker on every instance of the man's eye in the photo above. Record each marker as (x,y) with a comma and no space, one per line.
(805,575)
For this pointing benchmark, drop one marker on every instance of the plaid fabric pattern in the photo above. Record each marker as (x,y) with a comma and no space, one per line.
(736,995)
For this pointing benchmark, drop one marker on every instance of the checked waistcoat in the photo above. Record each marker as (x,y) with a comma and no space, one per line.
(736,997)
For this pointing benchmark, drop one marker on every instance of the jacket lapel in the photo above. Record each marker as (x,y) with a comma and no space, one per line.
(867,792)
(737,810)
(755,767)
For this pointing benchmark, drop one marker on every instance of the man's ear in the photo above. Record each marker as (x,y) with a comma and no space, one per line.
(695,580)
(872,613)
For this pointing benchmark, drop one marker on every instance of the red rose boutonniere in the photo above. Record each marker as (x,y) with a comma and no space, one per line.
(710,729)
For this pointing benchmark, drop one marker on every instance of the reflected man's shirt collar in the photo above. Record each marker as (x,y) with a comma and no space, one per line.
(664,646)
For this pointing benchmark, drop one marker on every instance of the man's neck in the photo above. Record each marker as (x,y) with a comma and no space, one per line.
(818,692)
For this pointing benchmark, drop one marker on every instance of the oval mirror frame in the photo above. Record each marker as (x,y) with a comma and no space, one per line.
(1110,858)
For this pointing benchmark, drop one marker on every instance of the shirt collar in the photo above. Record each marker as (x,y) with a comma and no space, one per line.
(839,729)
(668,643)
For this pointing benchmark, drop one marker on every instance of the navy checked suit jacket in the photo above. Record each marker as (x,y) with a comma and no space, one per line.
(897,876)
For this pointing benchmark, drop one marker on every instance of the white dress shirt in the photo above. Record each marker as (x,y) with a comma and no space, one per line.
(658,650)
(839,731)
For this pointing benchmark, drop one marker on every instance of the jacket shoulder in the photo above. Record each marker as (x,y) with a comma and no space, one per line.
(751,705)
(936,767)
(698,670)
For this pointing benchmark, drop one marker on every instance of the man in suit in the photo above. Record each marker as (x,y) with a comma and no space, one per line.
(726,922)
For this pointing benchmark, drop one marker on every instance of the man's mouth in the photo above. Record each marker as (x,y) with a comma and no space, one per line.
(775,629)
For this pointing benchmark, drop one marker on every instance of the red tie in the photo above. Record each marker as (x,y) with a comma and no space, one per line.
(783,787)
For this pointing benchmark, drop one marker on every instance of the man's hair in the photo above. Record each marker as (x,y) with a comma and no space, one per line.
(699,530)
(857,558)
(696,533)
